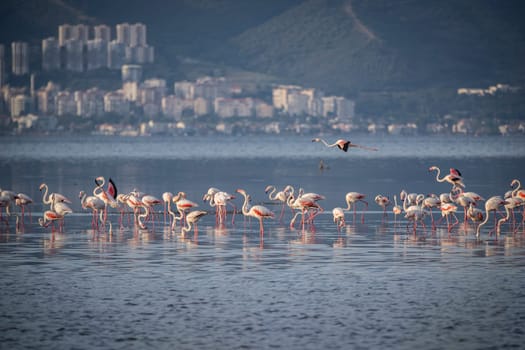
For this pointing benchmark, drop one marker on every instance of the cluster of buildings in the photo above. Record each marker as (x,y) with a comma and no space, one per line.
(160,106)
(81,47)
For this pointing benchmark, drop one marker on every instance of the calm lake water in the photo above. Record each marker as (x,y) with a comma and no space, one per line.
(372,285)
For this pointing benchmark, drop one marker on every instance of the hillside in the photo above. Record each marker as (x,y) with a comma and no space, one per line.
(341,46)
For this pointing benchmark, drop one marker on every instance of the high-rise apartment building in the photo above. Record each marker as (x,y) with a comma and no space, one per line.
(102,32)
(2,65)
(74,55)
(50,54)
(137,35)
(96,54)
(123,33)
(20,57)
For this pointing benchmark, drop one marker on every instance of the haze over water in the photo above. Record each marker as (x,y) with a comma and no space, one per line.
(373,285)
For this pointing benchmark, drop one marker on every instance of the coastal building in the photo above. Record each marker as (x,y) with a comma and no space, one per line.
(45,97)
(90,102)
(65,104)
(174,106)
(131,73)
(20,104)
(115,102)
(184,89)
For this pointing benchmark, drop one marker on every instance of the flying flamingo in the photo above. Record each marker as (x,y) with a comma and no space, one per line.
(339,217)
(192,218)
(491,205)
(453,178)
(353,198)
(343,144)
(257,211)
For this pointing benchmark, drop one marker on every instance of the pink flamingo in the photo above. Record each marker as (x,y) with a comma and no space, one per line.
(191,219)
(257,211)
(352,198)
(448,209)
(431,201)
(23,200)
(491,205)
(339,217)
(396,209)
(383,202)
(166,197)
(343,145)
(95,204)
(183,205)
(280,196)
(304,204)
(107,196)
(453,178)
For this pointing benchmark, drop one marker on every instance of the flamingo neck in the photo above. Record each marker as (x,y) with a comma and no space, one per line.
(245,204)
(46,201)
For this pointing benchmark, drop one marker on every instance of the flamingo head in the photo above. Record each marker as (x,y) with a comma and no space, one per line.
(268,188)
(42,187)
(241,191)
(81,194)
(99,180)
(432,168)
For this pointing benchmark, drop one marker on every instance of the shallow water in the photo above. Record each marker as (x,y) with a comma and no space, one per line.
(373,285)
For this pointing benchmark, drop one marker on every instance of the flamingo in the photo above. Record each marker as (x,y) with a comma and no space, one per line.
(448,209)
(257,211)
(50,216)
(192,218)
(396,209)
(492,204)
(166,197)
(108,197)
(22,200)
(280,196)
(150,201)
(343,145)
(304,204)
(431,201)
(339,217)
(383,202)
(183,205)
(353,198)
(475,214)
(93,203)
(453,178)
(53,197)
(219,199)
(413,212)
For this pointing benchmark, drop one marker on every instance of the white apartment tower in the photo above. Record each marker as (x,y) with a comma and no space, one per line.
(50,54)
(102,32)
(20,57)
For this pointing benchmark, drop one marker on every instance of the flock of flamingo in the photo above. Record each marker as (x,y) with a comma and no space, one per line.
(417,208)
